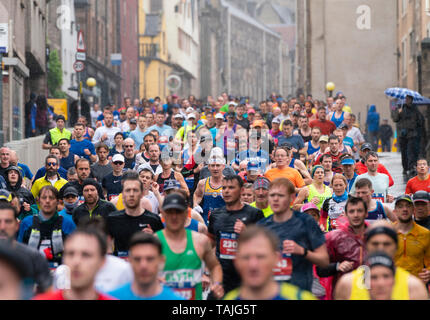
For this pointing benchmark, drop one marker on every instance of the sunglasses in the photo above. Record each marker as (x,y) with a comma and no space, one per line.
(128,146)
(51,164)
(118,163)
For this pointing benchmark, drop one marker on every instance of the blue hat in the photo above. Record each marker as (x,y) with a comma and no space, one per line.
(151,100)
(171,184)
(348,161)
(252,166)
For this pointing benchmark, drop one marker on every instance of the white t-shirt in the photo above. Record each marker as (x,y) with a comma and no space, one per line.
(94,117)
(380,185)
(114,274)
(154,202)
(355,134)
(110,142)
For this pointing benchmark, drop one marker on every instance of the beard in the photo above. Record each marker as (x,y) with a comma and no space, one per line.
(405,220)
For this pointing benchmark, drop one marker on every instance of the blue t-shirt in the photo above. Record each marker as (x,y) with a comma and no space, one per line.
(165,132)
(42,172)
(125,293)
(26,172)
(348,141)
(137,136)
(79,147)
(295,140)
(67,227)
(302,229)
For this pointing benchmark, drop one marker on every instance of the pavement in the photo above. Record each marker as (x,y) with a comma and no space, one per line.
(393,162)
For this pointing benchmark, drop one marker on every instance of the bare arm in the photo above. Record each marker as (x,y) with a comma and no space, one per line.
(298,203)
(196,216)
(146,204)
(300,166)
(182,182)
(342,290)
(390,214)
(198,194)
(417,289)
(319,256)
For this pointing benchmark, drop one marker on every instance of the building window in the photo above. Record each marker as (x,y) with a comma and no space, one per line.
(404,7)
(404,57)
(411,47)
(428,30)
(156,6)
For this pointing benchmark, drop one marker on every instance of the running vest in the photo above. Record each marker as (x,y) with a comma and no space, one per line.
(400,288)
(293,161)
(377,214)
(161,180)
(311,149)
(194,226)
(57,135)
(313,192)
(212,199)
(87,134)
(40,241)
(183,271)
(337,121)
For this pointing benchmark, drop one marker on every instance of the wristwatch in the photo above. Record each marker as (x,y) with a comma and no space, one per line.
(305,253)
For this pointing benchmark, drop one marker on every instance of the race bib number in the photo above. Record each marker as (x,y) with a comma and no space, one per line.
(228,246)
(284,268)
(163,140)
(186,293)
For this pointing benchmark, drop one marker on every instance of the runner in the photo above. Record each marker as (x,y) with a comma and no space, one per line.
(68,159)
(257,257)
(316,192)
(348,168)
(226,224)
(102,167)
(334,207)
(186,257)
(302,241)
(208,194)
(376,209)
(112,182)
(421,208)
(81,145)
(313,145)
(381,237)
(261,193)
(361,166)
(421,181)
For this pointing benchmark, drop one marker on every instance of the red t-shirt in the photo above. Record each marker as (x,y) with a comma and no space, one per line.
(58,295)
(327,127)
(336,167)
(416,184)
(361,168)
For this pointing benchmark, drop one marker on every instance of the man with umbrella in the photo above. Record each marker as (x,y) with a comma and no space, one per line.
(410,123)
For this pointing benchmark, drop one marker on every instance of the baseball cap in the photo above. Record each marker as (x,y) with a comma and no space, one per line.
(178,115)
(175,201)
(276,120)
(189,110)
(251,111)
(232,103)
(191,116)
(296,114)
(176,106)
(421,196)
(70,191)
(343,126)
(219,116)
(171,184)
(403,197)
(123,111)
(348,161)
(261,182)
(133,121)
(258,123)
(366,146)
(5,195)
(118,158)
(252,166)
(324,139)
(145,166)
(309,206)
(216,159)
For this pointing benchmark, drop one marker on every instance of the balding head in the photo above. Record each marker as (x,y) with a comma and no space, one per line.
(13,158)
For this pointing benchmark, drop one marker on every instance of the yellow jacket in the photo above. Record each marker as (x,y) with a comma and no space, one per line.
(42,182)
(413,253)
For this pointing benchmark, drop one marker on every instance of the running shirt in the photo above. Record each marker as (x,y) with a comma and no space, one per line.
(377,214)
(312,149)
(68,162)
(415,184)
(121,228)
(113,185)
(313,192)
(400,288)
(221,227)
(161,180)
(291,174)
(183,271)
(302,229)
(331,210)
(126,293)
(380,185)
(78,147)
(229,139)
(212,199)
(286,292)
(337,121)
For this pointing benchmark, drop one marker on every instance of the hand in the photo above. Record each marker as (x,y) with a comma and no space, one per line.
(87,152)
(104,137)
(424,275)
(345,266)
(291,247)
(155,188)
(26,206)
(217,290)
(148,229)
(239,226)
(206,282)
(315,201)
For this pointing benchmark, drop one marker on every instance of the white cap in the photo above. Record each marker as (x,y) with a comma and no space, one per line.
(189,110)
(232,103)
(145,166)
(118,158)
(219,116)
(192,116)
(178,115)
(216,160)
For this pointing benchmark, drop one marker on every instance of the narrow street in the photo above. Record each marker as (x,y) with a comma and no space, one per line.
(393,162)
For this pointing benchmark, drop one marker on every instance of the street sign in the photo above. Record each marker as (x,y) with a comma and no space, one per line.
(79,66)
(116,59)
(81,56)
(81,44)
(173,82)
(4,38)
(59,105)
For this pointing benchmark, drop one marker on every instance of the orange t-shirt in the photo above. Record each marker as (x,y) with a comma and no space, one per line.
(291,174)
(416,184)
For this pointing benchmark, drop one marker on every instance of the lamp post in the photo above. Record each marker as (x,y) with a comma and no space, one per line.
(330,86)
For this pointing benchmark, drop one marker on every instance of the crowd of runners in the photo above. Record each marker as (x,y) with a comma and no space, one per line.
(179,199)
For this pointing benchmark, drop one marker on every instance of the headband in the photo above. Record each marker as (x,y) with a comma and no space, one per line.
(315,169)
